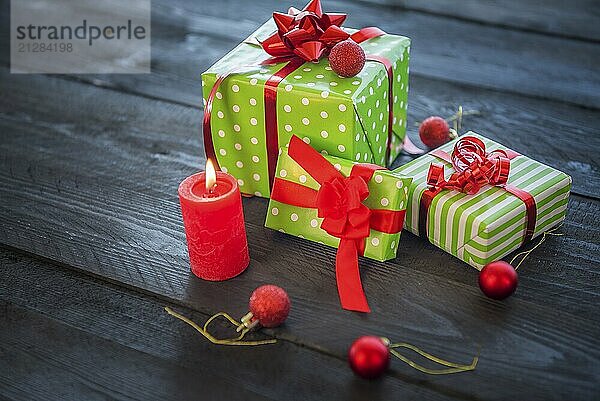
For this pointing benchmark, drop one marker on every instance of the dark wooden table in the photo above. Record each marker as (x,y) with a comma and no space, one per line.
(92,245)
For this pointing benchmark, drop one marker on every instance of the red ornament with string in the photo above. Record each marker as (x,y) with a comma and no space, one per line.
(434,131)
(498,280)
(269,307)
(369,358)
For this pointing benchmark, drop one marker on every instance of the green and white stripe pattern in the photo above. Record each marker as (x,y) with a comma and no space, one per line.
(487,226)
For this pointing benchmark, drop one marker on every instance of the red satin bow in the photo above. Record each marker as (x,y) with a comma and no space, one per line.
(473,167)
(308,33)
(339,203)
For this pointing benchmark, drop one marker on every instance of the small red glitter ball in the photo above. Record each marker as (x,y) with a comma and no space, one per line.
(270,305)
(498,280)
(347,58)
(434,132)
(369,357)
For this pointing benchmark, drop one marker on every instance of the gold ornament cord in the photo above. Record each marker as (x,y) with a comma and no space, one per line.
(225,341)
(525,254)
(456,119)
(451,366)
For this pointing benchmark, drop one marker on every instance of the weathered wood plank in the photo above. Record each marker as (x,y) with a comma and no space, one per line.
(67,336)
(576,19)
(90,180)
(47,360)
(188,36)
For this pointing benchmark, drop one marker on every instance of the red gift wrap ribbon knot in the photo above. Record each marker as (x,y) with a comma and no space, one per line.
(339,202)
(474,168)
(309,33)
(301,36)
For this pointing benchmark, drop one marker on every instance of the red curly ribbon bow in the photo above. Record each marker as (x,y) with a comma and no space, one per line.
(339,204)
(474,167)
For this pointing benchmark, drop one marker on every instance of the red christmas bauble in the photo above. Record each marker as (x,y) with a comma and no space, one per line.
(498,280)
(369,357)
(347,58)
(270,305)
(434,132)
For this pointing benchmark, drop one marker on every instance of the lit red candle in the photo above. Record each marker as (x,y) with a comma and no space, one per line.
(211,206)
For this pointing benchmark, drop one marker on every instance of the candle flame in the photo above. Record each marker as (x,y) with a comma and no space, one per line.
(211,175)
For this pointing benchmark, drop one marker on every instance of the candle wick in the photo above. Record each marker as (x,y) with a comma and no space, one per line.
(211,191)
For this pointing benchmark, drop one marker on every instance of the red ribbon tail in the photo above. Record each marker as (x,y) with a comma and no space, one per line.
(352,296)
(390,73)
(410,148)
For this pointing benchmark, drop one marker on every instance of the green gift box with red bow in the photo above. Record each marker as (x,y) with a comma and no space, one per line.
(356,207)
(278,83)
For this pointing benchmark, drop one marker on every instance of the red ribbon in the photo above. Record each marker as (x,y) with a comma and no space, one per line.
(209,146)
(302,35)
(339,204)
(270,98)
(474,168)
(390,74)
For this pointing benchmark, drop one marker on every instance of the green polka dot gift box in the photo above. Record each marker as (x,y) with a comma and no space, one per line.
(290,214)
(343,117)
(500,200)
(358,208)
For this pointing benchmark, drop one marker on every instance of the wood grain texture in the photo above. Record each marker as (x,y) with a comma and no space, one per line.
(188,36)
(66,336)
(43,359)
(90,180)
(576,19)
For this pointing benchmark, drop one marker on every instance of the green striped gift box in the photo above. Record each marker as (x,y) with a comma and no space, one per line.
(489,225)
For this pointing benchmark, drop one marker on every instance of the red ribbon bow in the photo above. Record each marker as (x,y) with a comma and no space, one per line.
(473,167)
(339,203)
(308,33)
